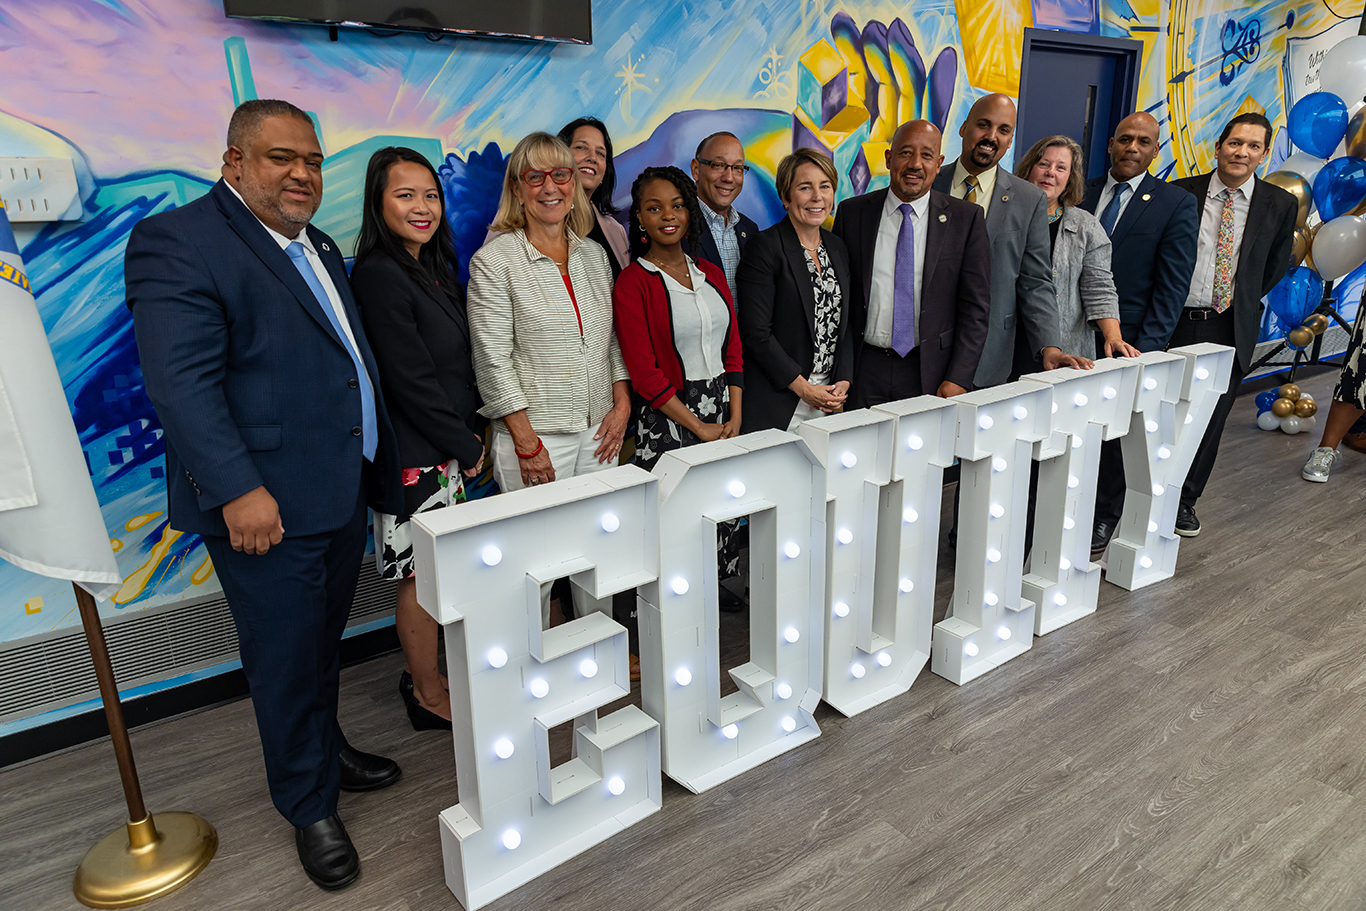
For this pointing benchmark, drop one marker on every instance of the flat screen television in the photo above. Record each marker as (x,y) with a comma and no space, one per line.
(542,20)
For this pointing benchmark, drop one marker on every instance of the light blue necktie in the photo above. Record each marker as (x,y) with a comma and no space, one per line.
(369,429)
(1111,213)
(903,286)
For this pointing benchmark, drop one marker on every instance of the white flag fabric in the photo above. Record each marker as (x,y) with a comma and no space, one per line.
(58,530)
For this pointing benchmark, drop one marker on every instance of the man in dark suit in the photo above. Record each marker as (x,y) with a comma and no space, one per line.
(1021,265)
(920,273)
(1247,227)
(719,171)
(276,440)
(1152,225)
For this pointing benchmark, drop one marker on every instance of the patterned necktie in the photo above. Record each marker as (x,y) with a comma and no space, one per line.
(369,431)
(903,285)
(1111,213)
(971,193)
(1223,256)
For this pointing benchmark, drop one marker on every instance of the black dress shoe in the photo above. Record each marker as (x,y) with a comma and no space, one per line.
(1100,539)
(1187,525)
(326,852)
(366,771)
(405,686)
(424,719)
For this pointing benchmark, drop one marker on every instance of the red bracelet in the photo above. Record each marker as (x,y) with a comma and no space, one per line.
(540,446)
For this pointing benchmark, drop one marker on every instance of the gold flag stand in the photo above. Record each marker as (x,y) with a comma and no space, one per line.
(145,859)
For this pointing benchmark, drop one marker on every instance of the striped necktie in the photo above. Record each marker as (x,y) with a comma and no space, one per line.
(970,194)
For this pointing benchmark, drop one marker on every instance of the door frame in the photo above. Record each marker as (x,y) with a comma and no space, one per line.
(1126,51)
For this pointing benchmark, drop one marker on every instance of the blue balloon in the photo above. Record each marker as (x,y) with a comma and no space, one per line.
(1296,296)
(1317,123)
(1340,186)
(1265,399)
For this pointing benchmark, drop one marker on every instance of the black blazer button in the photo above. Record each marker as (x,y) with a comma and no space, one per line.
(355,431)
(469,386)
(353,383)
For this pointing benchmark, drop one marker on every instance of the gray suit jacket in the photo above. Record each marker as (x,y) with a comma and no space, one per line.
(1021,275)
(1082,280)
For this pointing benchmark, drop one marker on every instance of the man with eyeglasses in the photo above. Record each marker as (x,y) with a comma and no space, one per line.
(719,169)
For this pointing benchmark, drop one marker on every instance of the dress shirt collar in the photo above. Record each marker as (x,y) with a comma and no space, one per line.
(986,183)
(1217,186)
(719,221)
(284,242)
(893,205)
(1133,182)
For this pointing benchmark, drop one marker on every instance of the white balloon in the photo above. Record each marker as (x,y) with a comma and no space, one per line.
(1268,421)
(1303,164)
(1340,246)
(1307,424)
(1291,424)
(1343,71)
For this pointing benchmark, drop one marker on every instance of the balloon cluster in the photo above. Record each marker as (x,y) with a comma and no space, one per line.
(1322,126)
(1287,409)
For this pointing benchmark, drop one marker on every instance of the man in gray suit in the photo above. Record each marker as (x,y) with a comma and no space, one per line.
(1017,224)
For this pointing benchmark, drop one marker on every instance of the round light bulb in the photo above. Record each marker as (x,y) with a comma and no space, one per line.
(539,688)
(1152,527)
(1073,481)
(512,839)
(610,523)
(1020,412)
(914,442)
(503,748)
(783,691)
(682,676)
(792,549)
(1201,373)
(1151,426)
(679,585)
(1055,408)
(993,555)
(1064,564)
(841,609)
(791,634)
(884,658)
(1059,599)
(730,731)
(736,489)
(497,657)
(492,555)
(1108,392)
(857,670)
(844,536)
(907,585)
(1080,399)
(789,724)
(1145,562)
(1189,418)
(1163,452)
(991,599)
(999,464)
(1158,490)
(1077,442)
(970,649)
(588,667)
(1149,383)
(909,515)
(997,510)
(616,786)
(1003,632)
(985,422)
(1069,523)
(848,460)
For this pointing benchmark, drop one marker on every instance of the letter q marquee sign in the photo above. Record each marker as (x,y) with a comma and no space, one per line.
(843,536)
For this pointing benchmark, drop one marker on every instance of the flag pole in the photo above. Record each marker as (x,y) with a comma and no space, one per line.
(145,859)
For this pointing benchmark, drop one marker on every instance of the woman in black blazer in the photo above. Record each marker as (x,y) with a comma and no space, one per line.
(793,288)
(413,309)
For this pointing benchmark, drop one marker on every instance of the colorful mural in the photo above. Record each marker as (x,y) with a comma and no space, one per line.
(138,93)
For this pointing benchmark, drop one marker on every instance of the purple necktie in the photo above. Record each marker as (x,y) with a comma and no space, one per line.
(903,288)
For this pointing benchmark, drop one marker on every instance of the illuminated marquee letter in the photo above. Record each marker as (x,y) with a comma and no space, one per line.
(989,622)
(773,478)
(480,569)
(1088,406)
(1176,396)
(884,477)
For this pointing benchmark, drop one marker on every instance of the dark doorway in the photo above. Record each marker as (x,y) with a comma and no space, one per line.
(1081,86)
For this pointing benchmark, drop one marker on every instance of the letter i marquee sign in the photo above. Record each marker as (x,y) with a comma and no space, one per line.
(843,537)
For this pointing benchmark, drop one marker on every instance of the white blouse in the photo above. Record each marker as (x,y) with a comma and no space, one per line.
(701,320)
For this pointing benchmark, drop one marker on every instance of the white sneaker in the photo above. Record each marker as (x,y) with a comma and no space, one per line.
(1321,462)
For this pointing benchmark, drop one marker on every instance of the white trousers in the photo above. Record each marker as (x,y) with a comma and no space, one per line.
(571,454)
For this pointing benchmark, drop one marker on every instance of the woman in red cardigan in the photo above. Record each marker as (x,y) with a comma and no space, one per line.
(677,329)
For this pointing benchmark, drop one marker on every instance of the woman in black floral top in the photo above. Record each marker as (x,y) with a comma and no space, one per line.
(793,285)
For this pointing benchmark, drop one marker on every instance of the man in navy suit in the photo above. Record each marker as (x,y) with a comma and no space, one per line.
(719,169)
(1152,226)
(276,440)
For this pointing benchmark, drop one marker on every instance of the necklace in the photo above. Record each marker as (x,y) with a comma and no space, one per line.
(1054,216)
(673,270)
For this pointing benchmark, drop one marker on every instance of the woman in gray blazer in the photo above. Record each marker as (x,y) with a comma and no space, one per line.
(1087,302)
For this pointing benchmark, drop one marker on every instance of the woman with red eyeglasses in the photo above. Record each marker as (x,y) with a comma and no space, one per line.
(545,354)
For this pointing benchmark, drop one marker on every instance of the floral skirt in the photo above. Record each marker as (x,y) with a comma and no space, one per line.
(1351,386)
(424,489)
(657,434)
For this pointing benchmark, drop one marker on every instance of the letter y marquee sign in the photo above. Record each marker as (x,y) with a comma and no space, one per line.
(844,523)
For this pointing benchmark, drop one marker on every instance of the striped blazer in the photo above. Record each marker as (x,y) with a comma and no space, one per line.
(535,348)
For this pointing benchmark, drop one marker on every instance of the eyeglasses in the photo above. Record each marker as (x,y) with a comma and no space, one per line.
(534,178)
(738,170)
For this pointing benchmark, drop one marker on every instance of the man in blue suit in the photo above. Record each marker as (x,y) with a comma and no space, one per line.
(1152,226)
(276,440)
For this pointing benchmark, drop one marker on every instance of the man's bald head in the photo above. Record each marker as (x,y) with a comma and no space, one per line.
(914,159)
(1134,146)
(988,132)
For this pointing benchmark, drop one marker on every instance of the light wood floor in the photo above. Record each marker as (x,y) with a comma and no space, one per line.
(1200,745)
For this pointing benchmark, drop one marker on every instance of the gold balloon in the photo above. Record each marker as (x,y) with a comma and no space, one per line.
(1316,323)
(1283,408)
(1310,233)
(1297,187)
(1299,248)
(1289,391)
(1300,337)
(1356,135)
(1306,408)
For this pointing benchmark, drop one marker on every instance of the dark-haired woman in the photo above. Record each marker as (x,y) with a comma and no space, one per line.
(677,328)
(591,146)
(413,310)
